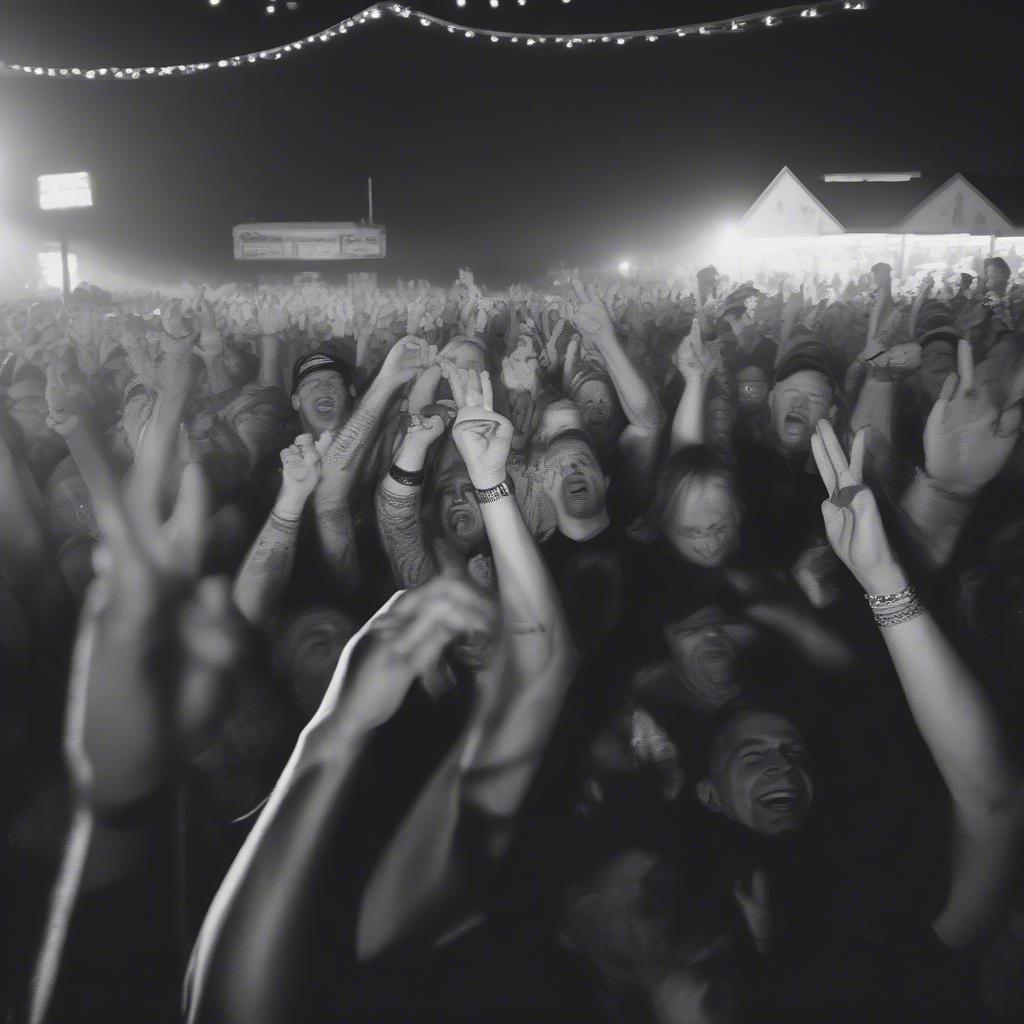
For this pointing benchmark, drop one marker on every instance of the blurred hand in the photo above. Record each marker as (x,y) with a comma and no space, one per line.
(968,439)
(157,641)
(404,642)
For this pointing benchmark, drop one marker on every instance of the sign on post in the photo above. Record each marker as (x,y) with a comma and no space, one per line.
(65,191)
(341,240)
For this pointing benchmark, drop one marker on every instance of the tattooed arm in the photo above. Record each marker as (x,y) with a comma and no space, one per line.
(268,566)
(398,505)
(345,453)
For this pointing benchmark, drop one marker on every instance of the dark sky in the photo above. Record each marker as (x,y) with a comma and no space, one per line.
(498,157)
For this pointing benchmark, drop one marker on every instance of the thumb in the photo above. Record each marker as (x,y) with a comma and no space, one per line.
(1009,421)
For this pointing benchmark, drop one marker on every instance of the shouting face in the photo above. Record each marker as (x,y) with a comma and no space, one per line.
(576,481)
(323,402)
(796,404)
(758,775)
(458,513)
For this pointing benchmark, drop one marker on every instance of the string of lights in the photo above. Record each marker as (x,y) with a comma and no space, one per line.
(741,23)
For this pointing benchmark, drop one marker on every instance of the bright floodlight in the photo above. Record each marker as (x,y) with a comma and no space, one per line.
(214,3)
(728,232)
(64,191)
(625,267)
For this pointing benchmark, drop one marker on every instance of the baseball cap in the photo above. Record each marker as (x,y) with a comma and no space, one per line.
(808,355)
(315,362)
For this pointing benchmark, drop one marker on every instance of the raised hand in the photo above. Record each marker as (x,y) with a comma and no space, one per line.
(424,430)
(271,316)
(695,358)
(852,522)
(968,439)
(300,466)
(401,644)
(406,360)
(482,436)
(156,644)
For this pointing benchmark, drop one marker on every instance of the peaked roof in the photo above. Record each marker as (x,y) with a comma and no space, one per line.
(872,206)
(788,207)
(957,206)
(1006,192)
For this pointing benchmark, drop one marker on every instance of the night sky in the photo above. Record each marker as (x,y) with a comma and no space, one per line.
(497,157)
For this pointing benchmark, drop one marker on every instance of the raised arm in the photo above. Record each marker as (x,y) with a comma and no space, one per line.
(956,720)
(249,962)
(398,504)
(343,457)
(155,638)
(696,362)
(429,877)
(639,441)
(967,441)
(264,575)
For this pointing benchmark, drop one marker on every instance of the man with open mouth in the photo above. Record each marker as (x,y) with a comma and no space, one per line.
(321,392)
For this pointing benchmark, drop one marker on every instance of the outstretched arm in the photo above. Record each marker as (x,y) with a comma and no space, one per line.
(950,708)
(248,965)
(640,440)
(264,574)
(345,453)
(465,816)
(696,363)
(398,504)
(967,441)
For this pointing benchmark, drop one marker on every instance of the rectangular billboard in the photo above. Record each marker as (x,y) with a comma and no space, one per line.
(314,241)
(65,191)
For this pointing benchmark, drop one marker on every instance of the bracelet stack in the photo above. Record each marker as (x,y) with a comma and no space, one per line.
(894,609)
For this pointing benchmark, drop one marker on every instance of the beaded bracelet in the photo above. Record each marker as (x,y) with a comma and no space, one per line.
(883,601)
(405,477)
(896,618)
(503,490)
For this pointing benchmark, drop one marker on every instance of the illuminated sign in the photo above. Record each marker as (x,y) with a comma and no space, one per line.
(64,191)
(309,241)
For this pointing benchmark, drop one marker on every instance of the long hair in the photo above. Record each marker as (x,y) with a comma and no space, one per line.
(694,464)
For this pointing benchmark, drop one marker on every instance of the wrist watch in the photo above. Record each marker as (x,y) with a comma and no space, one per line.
(503,490)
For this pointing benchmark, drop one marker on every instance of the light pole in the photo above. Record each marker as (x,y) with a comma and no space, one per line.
(65,192)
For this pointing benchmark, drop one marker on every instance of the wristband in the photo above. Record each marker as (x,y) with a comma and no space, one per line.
(503,490)
(404,477)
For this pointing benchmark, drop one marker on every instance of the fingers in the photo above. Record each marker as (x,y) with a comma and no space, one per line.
(824,463)
(835,452)
(965,365)
(857,455)
(486,390)
(949,387)
(1009,422)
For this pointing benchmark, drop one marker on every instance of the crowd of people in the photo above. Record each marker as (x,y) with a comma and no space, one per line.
(629,652)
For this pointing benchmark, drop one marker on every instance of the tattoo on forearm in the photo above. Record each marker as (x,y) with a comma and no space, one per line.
(349,447)
(337,537)
(267,566)
(401,531)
